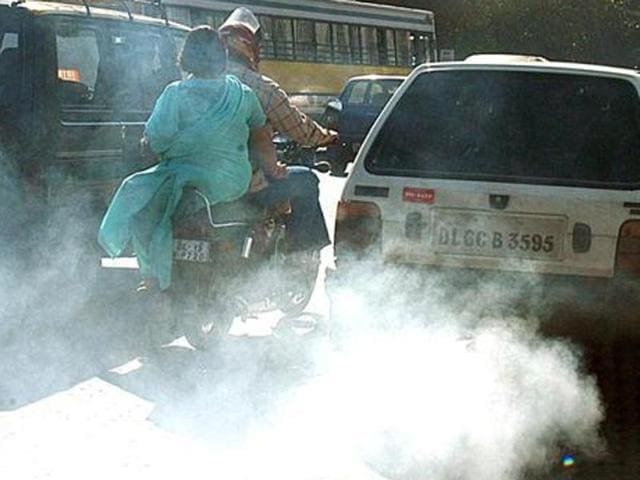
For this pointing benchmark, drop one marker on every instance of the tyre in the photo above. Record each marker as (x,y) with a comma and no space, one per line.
(300,274)
(205,328)
(339,161)
(202,317)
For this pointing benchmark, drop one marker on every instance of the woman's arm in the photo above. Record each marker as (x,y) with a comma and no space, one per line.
(262,148)
(162,126)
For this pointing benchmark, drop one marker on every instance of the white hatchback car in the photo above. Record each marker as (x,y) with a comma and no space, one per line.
(503,164)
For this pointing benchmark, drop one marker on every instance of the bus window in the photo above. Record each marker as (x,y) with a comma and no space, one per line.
(431,48)
(201,16)
(341,44)
(402,48)
(418,48)
(266,42)
(392,58)
(369,46)
(179,15)
(283,38)
(323,42)
(428,49)
(381,43)
(356,44)
(304,39)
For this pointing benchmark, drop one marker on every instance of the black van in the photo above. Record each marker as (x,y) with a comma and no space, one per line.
(76,86)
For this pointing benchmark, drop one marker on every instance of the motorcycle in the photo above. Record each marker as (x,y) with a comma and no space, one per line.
(231,261)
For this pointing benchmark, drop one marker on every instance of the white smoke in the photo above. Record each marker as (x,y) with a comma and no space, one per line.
(450,395)
(430,379)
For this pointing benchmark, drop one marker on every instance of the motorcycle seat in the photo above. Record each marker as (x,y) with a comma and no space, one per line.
(194,204)
(241,210)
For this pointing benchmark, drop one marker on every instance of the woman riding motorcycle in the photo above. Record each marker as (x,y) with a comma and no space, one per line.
(200,127)
(300,187)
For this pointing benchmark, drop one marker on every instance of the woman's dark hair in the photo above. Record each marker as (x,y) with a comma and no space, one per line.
(203,53)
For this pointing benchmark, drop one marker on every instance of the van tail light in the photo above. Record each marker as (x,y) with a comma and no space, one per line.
(628,253)
(358,229)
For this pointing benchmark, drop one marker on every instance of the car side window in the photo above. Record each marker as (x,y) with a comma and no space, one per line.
(381,92)
(79,57)
(357,93)
(378,95)
(10,65)
(140,63)
(108,65)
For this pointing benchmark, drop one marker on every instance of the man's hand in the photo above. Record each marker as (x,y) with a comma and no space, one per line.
(334,138)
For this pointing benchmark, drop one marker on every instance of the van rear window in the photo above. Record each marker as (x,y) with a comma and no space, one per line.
(10,60)
(122,66)
(531,127)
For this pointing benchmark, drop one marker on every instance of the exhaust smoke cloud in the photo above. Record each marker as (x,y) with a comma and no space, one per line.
(425,388)
(428,381)
(53,327)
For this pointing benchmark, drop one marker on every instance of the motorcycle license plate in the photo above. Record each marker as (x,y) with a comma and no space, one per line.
(191,251)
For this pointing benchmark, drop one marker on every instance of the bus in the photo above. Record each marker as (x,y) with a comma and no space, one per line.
(311,47)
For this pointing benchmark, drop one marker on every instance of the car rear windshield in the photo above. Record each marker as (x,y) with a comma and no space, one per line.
(527,127)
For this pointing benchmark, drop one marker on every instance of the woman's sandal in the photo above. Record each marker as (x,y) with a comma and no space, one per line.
(147,286)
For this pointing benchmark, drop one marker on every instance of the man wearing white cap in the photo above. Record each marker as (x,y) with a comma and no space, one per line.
(297,185)
(240,32)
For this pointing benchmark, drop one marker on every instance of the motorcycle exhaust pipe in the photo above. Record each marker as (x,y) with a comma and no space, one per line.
(246,247)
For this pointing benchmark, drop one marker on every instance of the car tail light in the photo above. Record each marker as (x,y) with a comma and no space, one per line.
(628,253)
(358,228)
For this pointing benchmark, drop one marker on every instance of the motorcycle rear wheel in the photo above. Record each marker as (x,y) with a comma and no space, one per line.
(202,317)
(203,331)
(301,273)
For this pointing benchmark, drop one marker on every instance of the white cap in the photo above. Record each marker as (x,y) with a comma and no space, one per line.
(243,16)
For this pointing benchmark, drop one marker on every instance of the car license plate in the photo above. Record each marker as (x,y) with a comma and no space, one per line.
(191,250)
(460,232)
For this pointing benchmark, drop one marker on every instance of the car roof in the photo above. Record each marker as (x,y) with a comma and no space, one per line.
(374,77)
(529,64)
(51,8)
(503,58)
